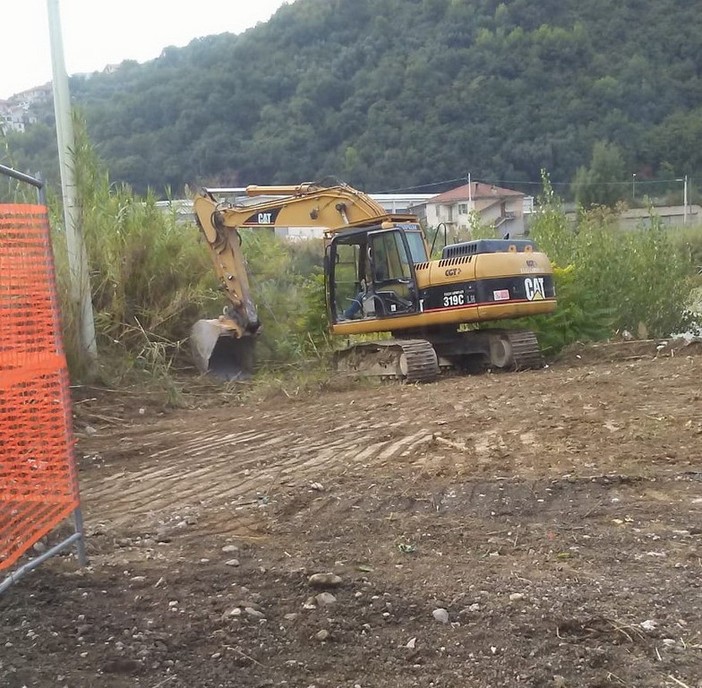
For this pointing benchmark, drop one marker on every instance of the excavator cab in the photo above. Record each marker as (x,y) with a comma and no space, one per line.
(394,281)
(371,274)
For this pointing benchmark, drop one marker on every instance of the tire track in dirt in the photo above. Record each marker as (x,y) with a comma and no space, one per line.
(534,424)
(215,467)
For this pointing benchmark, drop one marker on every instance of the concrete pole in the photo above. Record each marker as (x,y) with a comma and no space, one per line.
(685,202)
(77,255)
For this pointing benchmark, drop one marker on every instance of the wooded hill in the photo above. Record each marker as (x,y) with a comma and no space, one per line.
(393,94)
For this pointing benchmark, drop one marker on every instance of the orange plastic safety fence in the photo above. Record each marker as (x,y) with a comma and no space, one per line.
(38,483)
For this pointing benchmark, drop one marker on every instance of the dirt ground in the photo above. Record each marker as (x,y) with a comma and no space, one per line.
(540,528)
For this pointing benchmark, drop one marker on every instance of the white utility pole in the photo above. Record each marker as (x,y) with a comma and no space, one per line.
(685,202)
(77,255)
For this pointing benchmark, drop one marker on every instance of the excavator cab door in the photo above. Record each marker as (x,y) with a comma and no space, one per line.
(394,283)
(345,271)
(370,275)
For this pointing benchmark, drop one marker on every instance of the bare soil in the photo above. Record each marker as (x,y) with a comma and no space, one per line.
(555,515)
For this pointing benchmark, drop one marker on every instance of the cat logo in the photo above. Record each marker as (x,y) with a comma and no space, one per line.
(534,288)
(452,272)
(265,218)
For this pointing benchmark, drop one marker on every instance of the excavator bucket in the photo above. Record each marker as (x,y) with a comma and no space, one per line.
(216,350)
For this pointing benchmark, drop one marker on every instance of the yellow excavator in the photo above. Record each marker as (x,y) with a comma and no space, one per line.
(379,278)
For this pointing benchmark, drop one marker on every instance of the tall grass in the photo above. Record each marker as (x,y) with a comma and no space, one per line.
(152,278)
(12,190)
(288,288)
(149,275)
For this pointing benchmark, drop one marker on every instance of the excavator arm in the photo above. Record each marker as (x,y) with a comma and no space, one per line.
(223,346)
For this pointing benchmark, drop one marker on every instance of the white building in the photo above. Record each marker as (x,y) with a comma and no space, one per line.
(489,204)
(16,113)
(14,117)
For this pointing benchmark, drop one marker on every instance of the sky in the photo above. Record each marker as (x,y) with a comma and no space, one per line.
(101,32)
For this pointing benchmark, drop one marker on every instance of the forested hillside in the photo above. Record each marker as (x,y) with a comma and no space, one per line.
(392,94)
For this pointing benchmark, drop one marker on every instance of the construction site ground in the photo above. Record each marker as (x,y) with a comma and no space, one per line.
(536,529)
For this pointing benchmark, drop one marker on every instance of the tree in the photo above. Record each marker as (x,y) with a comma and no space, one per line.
(604,182)
(420,90)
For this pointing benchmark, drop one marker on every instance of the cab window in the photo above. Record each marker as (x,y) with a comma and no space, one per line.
(390,259)
(417,247)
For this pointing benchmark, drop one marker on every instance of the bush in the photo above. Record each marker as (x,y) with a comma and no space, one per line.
(639,274)
(689,242)
(610,280)
(579,316)
(288,287)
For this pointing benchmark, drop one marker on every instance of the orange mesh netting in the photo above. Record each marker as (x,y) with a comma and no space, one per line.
(38,485)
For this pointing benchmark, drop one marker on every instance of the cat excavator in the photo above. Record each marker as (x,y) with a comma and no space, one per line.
(379,279)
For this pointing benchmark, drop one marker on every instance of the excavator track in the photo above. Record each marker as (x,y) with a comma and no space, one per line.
(411,360)
(526,353)
(497,349)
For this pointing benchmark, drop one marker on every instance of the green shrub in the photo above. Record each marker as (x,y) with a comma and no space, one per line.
(579,317)
(689,242)
(639,274)
(615,280)
(313,325)
(287,283)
